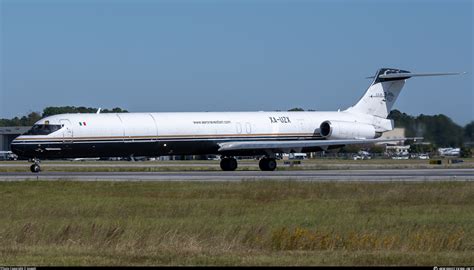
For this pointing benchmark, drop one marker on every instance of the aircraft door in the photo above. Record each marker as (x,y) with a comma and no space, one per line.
(301,126)
(238,127)
(248,128)
(68,135)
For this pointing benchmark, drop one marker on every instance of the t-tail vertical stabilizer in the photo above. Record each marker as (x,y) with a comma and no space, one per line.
(378,100)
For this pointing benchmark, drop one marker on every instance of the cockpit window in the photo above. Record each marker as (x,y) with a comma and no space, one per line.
(43,129)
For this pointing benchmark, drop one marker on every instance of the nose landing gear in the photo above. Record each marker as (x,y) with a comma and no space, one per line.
(35,167)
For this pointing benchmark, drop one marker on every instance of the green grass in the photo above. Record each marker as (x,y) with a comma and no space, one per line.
(245,223)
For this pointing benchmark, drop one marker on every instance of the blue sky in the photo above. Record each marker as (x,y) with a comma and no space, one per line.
(232,55)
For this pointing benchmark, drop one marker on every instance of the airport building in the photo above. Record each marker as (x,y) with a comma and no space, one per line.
(395,148)
(7,134)
(393,134)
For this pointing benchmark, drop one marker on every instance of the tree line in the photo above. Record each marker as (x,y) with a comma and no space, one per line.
(438,129)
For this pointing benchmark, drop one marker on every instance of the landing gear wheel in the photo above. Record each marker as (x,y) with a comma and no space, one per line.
(35,168)
(262,164)
(267,164)
(228,164)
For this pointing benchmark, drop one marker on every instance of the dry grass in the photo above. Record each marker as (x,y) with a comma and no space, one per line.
(246,223)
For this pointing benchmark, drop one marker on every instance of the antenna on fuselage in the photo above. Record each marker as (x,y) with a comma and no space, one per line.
(98,111)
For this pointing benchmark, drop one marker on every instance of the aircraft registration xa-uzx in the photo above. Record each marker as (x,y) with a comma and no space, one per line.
(228,134)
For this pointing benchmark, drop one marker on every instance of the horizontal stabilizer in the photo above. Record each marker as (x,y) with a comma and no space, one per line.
(409,75)
(387,84)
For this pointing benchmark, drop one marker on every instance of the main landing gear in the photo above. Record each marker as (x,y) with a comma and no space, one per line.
(265,164)
(35,167)
(228,164)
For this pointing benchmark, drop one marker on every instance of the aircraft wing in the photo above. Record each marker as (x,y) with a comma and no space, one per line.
(296,144)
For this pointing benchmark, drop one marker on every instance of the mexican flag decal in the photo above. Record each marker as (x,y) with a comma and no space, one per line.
(82,124)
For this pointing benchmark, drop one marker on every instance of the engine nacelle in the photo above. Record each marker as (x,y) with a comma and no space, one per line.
(346,130)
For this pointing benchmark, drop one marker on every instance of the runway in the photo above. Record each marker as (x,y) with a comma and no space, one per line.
(381,175)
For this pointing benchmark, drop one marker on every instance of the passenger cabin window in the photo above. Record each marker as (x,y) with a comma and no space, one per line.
(43,129)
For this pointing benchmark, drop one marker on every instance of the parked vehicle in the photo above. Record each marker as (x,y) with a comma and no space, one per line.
(424,156)
(8,155)
(361,155)
(400,157)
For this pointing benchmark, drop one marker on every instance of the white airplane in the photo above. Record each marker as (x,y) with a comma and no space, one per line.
(228,134)
(450,151)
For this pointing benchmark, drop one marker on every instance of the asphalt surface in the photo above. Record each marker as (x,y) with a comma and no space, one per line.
(381,175)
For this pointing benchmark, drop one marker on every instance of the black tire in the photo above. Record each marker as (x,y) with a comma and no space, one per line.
(267,164)
(35,168)
(232,164)
(224,163)
(263,164)
(228,164)
(271,164)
